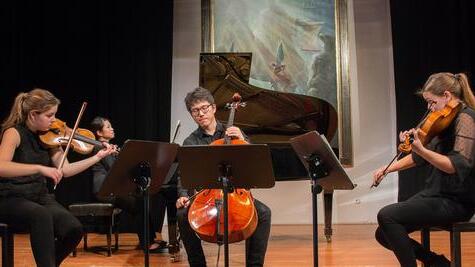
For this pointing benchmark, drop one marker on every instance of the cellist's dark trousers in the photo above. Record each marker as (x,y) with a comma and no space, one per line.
(256,245)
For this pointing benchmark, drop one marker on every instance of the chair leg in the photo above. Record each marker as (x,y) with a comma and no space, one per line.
(75,252)
(116,235)
(7,248)
(455,250)
(109,235)
(425,239)
(109,241)
(85,241)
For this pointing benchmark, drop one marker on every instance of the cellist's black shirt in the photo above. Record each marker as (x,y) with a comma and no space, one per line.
(200,137)
(458,143)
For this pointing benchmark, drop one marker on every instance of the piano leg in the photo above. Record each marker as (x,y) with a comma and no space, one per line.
(328,207)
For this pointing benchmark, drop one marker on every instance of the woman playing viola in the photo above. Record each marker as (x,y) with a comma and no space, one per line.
(25,165)
(449,194)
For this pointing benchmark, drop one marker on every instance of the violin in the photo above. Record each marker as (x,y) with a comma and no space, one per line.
(432,124)
(58,134)
(207,207)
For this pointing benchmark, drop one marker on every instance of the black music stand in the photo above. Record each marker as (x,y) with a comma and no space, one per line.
(140,165)
(225,167)
(324,169)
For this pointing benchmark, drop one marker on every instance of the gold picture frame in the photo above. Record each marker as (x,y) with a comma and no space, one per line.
(341,75)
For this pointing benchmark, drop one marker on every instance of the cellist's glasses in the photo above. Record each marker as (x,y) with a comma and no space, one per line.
(204,109)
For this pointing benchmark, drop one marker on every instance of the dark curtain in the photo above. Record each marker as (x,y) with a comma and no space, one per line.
(116,55)
(428,37)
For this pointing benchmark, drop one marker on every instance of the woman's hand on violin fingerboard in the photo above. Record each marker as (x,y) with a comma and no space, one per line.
(107,150)
(53,173)
(235,132)
(182,202)
(417,145)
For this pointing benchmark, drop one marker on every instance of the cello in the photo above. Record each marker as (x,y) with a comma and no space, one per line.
(205,214)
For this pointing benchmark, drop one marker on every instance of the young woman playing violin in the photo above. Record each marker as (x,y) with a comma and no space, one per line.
(449,194)
(25,164)
(103,131)
(200,104)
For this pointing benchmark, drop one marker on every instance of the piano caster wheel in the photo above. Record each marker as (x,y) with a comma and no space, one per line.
(175,257)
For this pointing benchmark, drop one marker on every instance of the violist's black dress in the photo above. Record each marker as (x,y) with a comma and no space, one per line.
(26,203)
(447,198)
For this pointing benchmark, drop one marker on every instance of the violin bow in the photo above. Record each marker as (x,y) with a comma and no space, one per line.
(177,127)
(70,140)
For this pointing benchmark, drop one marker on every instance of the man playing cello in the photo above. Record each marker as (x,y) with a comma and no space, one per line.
(200,104)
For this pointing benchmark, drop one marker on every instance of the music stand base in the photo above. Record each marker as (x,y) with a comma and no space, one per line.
(143,184)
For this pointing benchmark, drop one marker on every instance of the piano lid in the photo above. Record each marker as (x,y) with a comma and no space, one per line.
(269,117)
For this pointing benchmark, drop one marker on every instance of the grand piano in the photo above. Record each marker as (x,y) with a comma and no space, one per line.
(271,117)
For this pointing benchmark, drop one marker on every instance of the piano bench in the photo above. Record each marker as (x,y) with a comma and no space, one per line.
(94,216)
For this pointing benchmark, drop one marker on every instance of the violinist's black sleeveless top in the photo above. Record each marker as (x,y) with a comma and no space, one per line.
(29,151)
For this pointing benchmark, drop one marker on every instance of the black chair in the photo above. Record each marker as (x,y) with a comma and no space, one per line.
(455,245)
(7,245)
(97,217)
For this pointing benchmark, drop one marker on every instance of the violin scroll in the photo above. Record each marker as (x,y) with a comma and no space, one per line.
(406,146)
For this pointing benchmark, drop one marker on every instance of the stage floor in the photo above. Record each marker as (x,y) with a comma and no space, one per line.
(289,245)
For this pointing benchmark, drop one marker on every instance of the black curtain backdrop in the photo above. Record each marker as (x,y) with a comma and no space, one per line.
(116,55)
(428,37)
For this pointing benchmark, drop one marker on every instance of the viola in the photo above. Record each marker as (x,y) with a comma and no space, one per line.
(204,211)
(58,135)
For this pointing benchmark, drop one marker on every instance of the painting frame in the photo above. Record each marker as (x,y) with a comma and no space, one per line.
(345,143)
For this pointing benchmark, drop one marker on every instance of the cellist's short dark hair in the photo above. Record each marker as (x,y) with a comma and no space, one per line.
(197,95)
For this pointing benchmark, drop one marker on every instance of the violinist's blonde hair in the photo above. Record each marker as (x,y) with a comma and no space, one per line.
(39,100)
(457,84)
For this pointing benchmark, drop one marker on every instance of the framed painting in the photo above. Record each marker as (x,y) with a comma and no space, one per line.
(298,47)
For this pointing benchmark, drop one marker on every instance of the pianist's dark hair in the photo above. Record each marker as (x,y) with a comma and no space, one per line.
(97,124)
(197,95)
